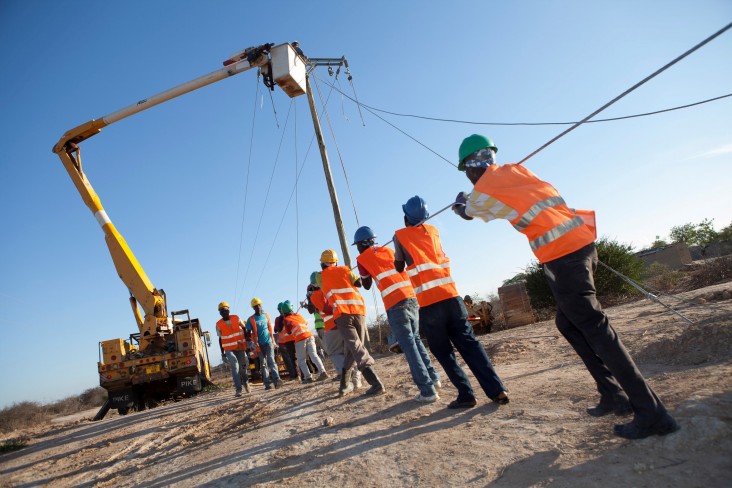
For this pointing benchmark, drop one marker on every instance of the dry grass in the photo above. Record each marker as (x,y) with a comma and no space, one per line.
(25,414)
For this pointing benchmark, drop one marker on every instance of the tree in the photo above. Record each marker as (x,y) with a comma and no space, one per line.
(726,233)
(618,256)
(658,243)
(700,234)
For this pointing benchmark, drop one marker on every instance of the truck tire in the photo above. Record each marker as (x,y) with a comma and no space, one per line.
(123,410)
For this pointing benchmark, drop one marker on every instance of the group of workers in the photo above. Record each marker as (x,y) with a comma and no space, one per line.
(420,295)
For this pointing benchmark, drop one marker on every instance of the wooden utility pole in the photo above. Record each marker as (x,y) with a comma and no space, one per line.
(328,177)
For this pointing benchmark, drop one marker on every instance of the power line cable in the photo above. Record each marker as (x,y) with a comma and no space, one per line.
(338,151)
(246,191)
(644,80)
(473,122)
(266,195)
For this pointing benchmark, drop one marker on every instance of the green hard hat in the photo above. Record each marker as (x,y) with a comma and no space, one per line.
(471,144)
(279,307)
(286,307)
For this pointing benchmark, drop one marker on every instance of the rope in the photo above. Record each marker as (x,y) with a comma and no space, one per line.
(338,150)
(246,191)
(644,80)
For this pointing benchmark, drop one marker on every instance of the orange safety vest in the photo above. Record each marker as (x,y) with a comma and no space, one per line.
(232,336)
(326,312)
(393,285)
(340,293)
(553,229)
(282,336)
(430,270)
(296,327)
(255,334)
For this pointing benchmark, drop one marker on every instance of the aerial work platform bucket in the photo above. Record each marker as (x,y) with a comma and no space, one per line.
(288,70)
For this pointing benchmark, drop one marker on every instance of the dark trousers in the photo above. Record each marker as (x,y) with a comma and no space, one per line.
(582,322)
(445,324)
(287,350)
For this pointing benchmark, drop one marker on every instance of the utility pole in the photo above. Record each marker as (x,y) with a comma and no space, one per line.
(328,176)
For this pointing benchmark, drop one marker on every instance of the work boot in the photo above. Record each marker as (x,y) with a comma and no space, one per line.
(322,376)
(377,387)
(346,385)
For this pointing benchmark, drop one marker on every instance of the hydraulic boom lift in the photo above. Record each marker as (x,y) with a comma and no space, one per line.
(168,355)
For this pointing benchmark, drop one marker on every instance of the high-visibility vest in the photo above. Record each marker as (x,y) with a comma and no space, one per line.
(255,334)
(326,312)
(430,270)
(232,336)
(340,293)
(393,285)
(296,326)
(553,229)
(319,323)
(282,336)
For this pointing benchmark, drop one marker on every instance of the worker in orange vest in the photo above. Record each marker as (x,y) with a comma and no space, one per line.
(286,345)
(339,286)
(232,340)
(333,342)
(296,326)
(259,326)
(376,263)
(565,247)
(442,314)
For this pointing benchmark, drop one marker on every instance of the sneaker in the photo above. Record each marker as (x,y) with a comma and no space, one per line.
(462,403)
(322,376)
(237,394)
(437,384)
(268,387)
(307,381)
(426,399)
(665,425)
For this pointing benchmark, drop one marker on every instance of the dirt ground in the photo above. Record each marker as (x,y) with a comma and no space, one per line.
(305,435)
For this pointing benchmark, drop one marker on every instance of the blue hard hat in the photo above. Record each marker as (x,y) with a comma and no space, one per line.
(362,234)
(415,210)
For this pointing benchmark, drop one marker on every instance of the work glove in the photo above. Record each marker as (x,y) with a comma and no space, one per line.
(459,206)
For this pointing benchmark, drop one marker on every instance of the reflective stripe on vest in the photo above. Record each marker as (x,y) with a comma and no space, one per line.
(340,293)
(232,336)
(552,228)
(394,286)
(430,270)
(298,327)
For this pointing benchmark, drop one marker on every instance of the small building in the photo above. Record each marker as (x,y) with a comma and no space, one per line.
(516,304)
(674,256)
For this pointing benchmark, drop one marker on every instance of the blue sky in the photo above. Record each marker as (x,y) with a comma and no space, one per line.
(173,178)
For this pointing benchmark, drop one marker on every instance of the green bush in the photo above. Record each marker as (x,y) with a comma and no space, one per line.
(614,254)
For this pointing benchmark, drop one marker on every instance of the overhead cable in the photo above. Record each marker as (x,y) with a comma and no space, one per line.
(644,80)
(246,191)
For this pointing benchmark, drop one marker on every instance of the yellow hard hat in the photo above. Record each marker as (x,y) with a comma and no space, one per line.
(223,305)
(329,256)
(256,301)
